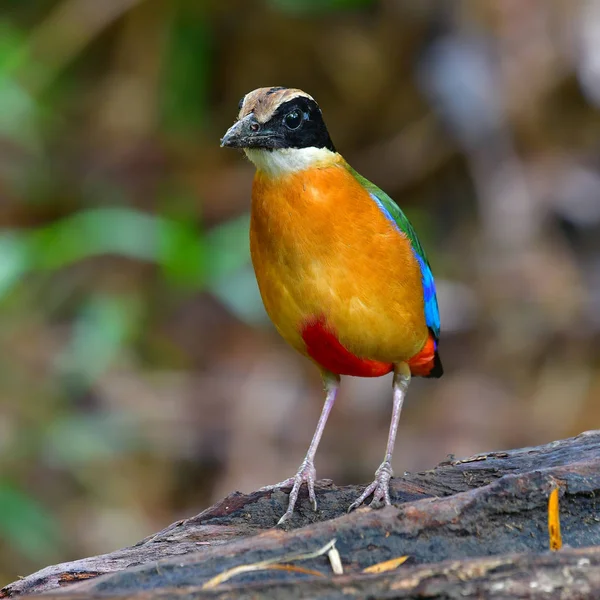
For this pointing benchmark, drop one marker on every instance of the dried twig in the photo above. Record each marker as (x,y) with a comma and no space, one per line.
(267,564)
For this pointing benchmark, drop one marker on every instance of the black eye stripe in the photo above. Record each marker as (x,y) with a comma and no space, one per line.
(295,123)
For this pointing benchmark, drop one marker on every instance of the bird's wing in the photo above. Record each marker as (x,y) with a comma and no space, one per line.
(393,212)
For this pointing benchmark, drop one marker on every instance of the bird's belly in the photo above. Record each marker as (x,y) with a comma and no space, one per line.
(351,320)
(339,283)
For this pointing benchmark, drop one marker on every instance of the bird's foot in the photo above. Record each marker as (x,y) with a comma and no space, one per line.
(306,473)
(380,488)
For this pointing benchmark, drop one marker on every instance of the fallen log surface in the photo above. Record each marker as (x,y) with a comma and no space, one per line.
(473,527)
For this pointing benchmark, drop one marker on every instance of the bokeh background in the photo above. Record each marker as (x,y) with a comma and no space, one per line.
(140,379)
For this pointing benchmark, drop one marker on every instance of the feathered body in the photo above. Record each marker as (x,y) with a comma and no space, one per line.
(333,267)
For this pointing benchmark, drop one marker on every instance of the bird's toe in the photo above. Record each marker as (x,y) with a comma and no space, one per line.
(306,474)
(380,488)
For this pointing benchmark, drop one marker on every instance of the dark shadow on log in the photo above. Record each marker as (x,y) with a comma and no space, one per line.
(462,512)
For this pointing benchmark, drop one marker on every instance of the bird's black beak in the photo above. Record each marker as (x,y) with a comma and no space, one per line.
(243,133)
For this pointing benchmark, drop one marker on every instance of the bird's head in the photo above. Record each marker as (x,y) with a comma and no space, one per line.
(281,130)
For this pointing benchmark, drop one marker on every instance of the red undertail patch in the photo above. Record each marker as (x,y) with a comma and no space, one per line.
(323,346)
(425,363)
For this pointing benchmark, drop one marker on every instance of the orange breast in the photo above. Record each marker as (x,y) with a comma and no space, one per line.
(324,253)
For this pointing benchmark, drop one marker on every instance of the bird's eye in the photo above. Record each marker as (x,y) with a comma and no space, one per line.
(293,120)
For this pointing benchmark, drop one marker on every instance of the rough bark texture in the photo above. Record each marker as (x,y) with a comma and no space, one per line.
(475,527)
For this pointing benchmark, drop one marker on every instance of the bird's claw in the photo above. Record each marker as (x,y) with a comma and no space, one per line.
(306,473)
(380,488)
(289,482)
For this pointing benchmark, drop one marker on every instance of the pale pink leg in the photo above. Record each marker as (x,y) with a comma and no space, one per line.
(306,472)
(380,488)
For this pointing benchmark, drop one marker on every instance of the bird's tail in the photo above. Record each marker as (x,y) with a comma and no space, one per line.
(427,362)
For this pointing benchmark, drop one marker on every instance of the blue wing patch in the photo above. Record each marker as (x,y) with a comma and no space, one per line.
(432,313)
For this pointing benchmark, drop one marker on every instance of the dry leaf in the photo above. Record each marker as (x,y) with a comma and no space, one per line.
(336,561)
(554,521)
(388,565)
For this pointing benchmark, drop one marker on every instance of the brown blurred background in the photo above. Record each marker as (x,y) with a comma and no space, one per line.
(140,379)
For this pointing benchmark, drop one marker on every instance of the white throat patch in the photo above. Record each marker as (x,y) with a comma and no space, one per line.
(290,160)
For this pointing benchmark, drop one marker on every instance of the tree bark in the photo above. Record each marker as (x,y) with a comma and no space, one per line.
(471,528)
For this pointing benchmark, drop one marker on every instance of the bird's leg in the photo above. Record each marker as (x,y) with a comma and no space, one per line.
(380,488)
(307,472)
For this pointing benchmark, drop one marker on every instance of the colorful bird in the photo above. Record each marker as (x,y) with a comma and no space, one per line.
(340,269)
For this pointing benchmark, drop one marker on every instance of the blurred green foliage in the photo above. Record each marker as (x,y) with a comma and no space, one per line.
(318,6)
(40,254)
(26,525)
(188,73)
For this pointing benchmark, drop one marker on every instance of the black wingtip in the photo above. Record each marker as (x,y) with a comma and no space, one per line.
(438,370)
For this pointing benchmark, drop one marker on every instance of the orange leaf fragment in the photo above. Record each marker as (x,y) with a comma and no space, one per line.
(388,565)
(554,521)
